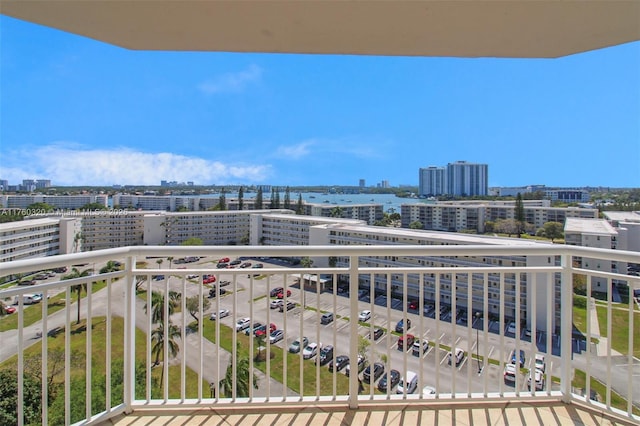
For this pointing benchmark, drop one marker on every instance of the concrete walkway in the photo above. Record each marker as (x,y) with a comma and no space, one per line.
(601,346)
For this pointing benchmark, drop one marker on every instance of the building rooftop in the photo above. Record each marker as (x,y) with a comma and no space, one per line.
(622,216)
(589,226)
(30,223)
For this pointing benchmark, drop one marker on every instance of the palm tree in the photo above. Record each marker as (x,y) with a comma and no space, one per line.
(157,305)
(241,379)
(158,342)
(170,259)
(159,262)
(111,266)
(76,273)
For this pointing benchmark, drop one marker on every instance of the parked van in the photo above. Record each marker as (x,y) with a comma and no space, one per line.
(408,382)
(28,299)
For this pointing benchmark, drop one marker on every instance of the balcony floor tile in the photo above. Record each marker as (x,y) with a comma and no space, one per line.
(476,414)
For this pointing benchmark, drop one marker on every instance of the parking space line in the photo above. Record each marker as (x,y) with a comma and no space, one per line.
(446,354)
(464,360)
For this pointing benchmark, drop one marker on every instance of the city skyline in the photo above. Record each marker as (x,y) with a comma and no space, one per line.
(78,111)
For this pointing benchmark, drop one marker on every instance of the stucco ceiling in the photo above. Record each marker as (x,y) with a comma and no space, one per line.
(513,28)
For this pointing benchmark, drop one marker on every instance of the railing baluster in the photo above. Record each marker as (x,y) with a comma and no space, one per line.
(566,317)
(353,330)
(44,358)
(88,349)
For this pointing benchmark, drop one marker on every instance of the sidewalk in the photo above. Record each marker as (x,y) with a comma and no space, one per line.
(601,347)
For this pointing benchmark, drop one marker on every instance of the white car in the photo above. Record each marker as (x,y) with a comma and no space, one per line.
(509,373)
(243,323)
(276,303)
(276,336)
(364,315)
(511,328)
(541,363)
(221,314)
(538,376)
(429,392)
(459,356)
(311,350)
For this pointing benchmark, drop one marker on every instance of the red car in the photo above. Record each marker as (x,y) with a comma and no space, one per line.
(208,279)
(262,330)
(224,260)
(281,294)
(9,309)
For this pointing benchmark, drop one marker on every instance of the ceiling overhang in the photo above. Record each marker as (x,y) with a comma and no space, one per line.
(514,29)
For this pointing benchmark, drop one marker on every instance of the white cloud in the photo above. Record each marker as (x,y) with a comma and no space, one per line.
(294,152)
(70,165)
(231,82)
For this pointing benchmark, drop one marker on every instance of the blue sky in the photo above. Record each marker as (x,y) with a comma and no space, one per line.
(81,112)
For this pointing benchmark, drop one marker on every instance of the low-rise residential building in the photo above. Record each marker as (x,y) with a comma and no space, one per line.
(456,217)
(34,238)
(62,202)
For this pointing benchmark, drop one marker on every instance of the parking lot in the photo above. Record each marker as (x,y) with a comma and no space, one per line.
(251,299)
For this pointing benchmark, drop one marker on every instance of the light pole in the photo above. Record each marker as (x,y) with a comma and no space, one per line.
(478,315)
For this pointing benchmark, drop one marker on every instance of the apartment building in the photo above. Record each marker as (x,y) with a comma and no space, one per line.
(116,229)
(468,216)
(458,179)
(34,238)
(627,224)
(597,233)
(63,202)
(212,227)
(285,228)
(370,213)
(349,234)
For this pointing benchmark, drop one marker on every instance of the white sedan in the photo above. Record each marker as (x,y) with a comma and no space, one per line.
(311,350)
(364,316)
(221,314)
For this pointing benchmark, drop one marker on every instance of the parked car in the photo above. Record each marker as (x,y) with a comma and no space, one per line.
(290,305)
(458,354)
(311,350)
(245,265)
(408,384)
(275,303)
(511,328)
(256,326)
(541,364)
(339,363)
(378,370)
(429,392)
(326,355)
(400,326)
(276,291)
(296,346)
(326,318)
(377,333)
(361,365)
(262,331)
(410,341)
(512,357)
(538,378)
(222,265)
(276,336)
(420,347)
(235,262)
(509,373)
(219,315)
(243,323)
(257,265)
(9,309)
(208,279)
(413,305)
(365,315)
(224,260)
(281,294)
(389,380)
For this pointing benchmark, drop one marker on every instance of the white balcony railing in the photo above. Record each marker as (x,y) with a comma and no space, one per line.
(107,355)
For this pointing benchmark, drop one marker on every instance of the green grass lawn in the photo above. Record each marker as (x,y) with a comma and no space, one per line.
(580,381)
(277,363)
(580,316)
(33,313)
(620,326)
(98,365)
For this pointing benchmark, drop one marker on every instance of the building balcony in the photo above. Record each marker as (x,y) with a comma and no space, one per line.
(109,359)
